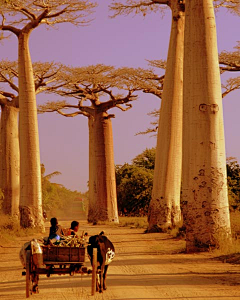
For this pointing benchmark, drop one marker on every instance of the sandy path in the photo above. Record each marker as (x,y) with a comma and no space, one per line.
(146,267)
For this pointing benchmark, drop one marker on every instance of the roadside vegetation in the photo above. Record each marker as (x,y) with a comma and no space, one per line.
(57,201)
(134,186)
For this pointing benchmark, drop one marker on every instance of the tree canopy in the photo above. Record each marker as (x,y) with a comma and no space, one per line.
(30,13)
(47,77)
(102,87)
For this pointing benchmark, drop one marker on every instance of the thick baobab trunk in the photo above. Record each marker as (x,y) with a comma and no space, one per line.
(92,213)
(164,210)
(104,185)
(9,160)
(30,172)
(205,198)
(110,171)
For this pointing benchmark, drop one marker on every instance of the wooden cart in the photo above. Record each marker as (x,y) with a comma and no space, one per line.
(57,260)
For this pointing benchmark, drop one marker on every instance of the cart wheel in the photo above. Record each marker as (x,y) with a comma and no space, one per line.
(28,272)
(94,271)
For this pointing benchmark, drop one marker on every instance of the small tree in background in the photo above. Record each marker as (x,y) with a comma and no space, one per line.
(134,184)
(233,176)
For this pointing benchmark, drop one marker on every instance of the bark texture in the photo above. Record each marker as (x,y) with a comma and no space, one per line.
(205,197)
(164,210)
(103,197)
(30,172)
(9,160)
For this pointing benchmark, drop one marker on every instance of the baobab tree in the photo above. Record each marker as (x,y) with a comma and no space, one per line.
(164,209)
(205,198)
(9,142)
(96,88)
(21,18)
(45,76)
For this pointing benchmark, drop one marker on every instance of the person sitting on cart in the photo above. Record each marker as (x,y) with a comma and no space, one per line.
(56,230)
(73,229)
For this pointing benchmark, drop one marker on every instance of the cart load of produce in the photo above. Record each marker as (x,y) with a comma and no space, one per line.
(36,246)
(67,241)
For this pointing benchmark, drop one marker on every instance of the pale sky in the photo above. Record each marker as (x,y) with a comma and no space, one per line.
(123,41)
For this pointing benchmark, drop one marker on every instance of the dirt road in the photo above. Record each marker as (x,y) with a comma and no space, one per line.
(146,267)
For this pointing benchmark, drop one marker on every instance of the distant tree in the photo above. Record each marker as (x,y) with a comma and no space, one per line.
(126,175)
(96,90)
(134,183)
(134,188)
(233,177)
(146,159)
(48,188)
(9,142)
(57,198)
(21,18)
(45,75)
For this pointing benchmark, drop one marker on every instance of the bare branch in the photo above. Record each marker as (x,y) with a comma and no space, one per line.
(231,84)
(69,114)
(147,131)
(6,94)
(137,6)
(30,15)
(229,61)
(232,5)
(58,106)
(10,82)
(129,106)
